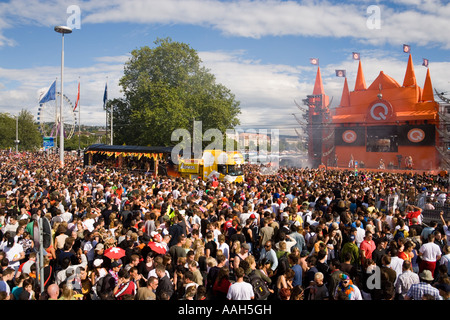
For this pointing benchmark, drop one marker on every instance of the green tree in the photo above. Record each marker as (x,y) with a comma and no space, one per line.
(85,141)
(166,88)
(8,131)
(29,136)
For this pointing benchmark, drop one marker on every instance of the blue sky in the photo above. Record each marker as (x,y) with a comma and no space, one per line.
(259,49)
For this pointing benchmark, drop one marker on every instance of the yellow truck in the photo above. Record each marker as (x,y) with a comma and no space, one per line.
(223,165)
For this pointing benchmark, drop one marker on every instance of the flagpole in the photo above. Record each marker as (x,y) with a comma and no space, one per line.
(106,112)
(112,124)
(56,117)
(79,117)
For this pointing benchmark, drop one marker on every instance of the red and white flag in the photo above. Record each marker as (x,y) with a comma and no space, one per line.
(78,98)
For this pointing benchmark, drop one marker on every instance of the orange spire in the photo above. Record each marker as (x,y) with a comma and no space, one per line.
(360,83)
(318,86)
(427,93)
(410,76)
(345,99)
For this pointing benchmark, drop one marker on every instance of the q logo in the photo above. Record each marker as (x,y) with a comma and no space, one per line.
(380,111)
(349,136)
(416,135)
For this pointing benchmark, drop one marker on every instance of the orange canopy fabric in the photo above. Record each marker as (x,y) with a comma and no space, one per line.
(318,86)
(345,99)
(383,81)
(360,83)
(410,76)
(427,93)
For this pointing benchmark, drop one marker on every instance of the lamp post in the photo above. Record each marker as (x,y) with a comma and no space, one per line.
(17,141)
(63,30)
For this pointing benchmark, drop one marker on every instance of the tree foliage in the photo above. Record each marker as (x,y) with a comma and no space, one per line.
(166,88)
(28,132)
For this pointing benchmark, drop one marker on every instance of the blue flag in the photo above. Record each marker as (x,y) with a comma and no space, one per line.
(50,95)
(105,95)
(340,73)
(314,61)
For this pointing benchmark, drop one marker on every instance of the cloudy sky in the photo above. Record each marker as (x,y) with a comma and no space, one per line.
(259,49)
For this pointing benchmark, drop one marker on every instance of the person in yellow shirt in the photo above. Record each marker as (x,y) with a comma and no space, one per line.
(296,217)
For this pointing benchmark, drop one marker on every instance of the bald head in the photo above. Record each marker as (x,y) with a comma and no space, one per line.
(53,291)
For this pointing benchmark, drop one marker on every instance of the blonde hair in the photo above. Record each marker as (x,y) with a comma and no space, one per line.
(187,244)
(211,262)
(250,259)
(318,276)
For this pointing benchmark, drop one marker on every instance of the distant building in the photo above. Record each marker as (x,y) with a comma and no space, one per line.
(380,125)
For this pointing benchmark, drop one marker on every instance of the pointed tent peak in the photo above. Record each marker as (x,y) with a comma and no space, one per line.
(318,86)
(427,92)
(410,76)
(345,99)
(383,81)
(360,83)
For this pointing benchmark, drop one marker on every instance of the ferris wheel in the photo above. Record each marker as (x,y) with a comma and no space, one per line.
(48,117)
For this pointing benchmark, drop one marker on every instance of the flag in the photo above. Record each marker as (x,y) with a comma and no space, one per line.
(105,95)
(78,97)
(50,94)
(314,61)
(356,55)
(406,48)
(425,62)
(340,73)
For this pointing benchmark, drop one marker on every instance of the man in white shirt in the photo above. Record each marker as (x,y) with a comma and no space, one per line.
(396,263)
(14,253)
(66,216)
(240,290)
(360,233)
(406,279)
(430,253)
(11,225)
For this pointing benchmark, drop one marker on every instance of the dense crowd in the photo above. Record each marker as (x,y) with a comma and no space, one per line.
(299,234)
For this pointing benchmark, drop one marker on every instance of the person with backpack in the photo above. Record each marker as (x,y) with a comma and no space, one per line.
(259,278)
(401,230)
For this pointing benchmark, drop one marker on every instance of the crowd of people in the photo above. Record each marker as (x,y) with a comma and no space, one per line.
(297,234)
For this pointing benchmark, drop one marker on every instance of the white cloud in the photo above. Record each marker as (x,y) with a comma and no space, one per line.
(266,91)
(21,87)
(415,21)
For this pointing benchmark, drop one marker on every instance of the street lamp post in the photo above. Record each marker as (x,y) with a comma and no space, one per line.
(17,141)
(63,30)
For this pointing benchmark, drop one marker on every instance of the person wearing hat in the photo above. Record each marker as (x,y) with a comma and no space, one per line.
(99,251)
(241,255)
(351,247)
(346,289)
(417,291)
